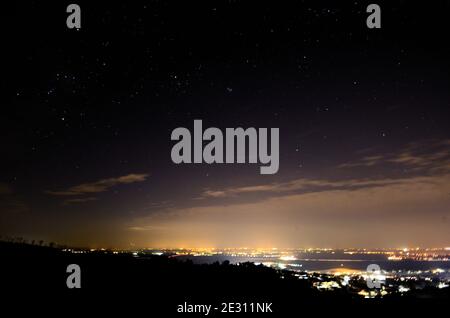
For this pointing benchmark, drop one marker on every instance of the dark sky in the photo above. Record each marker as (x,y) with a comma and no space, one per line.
(363,116)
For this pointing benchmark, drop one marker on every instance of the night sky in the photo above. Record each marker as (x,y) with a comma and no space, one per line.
(87,115)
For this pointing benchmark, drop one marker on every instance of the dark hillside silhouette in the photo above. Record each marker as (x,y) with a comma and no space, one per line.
(165,282)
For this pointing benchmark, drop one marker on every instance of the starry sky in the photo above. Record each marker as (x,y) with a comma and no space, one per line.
(363,116)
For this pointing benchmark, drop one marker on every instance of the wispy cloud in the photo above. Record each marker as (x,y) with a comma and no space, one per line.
(145,228)
(389,212)
(78,200)
(293,186)
(433,156)
(381,209)
(99,186)
(364,162)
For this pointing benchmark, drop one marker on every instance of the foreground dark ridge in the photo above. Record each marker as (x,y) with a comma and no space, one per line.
(164,280)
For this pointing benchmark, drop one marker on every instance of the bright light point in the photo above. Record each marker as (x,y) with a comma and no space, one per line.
(403,289)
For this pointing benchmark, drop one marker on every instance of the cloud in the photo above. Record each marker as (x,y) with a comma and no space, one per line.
(385,212)
(433,156)
(292,186)
(99,186)
(425,158)
(364,162)
(145,228)
(79,200)
(379,210)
